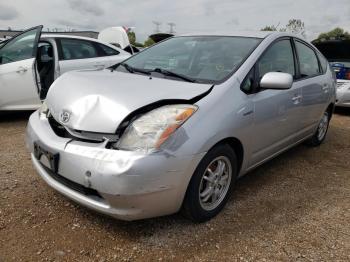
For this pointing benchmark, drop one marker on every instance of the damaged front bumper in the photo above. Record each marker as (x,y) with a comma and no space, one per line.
(123,184)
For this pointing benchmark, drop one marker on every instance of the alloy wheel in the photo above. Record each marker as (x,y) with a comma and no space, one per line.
(215,183)
(322,127)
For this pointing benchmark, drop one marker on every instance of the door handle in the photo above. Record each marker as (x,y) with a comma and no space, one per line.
(325,88)
(21,69)
(296,99)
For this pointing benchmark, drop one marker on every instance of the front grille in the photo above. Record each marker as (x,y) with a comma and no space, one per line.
(84,136)
(58,128)
(73,185)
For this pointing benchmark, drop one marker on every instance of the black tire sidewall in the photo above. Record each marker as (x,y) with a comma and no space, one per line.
(192,206)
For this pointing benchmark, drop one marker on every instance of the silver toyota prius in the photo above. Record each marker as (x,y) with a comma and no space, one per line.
(173,127)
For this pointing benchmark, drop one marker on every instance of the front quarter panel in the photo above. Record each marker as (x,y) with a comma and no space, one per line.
(224,113)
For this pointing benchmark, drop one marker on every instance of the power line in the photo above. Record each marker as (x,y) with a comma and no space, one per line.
(157,26)
(171,29)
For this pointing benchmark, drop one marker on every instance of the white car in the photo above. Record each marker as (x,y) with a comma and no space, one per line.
(30,62)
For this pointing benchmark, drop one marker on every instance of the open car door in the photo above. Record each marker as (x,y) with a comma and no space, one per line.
(18,79)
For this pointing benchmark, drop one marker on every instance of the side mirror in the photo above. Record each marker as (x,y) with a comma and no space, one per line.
(276,80)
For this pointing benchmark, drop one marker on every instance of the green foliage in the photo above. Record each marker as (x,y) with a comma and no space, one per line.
(148,42)
(336,33)
(137,44)
(269,28)
(295,26)
(132,37)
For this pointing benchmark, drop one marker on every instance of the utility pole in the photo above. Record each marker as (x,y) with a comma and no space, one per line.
(157,26)
(171,28)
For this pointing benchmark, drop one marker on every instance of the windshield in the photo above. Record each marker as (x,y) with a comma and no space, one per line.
(2,43)
(204,59)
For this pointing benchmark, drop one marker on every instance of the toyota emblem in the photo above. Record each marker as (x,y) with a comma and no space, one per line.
(65,116)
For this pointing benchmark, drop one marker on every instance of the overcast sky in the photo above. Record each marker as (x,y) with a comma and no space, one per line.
(189,15)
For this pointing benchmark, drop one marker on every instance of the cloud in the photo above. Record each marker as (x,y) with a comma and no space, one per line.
(88,7)
(233,21)
(86,25)
(7,12)
(189,16)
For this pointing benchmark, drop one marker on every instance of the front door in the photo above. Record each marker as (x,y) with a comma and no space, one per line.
(18,84)
(276,112)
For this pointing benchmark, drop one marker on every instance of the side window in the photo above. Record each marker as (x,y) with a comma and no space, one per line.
(324,63)
(278,58)
(307,59)
(77,49)
(19,48)
(107,51)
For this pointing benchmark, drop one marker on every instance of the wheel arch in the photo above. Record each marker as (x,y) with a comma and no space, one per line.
(330,109)
(237,146)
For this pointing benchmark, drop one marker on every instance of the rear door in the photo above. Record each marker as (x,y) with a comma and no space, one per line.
(110,55)
(18,84)
(315,86)
(78,54)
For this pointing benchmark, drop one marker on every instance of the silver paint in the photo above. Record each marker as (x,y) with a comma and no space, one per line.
(136,185)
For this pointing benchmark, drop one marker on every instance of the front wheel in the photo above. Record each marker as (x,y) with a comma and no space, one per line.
(211,184)
(321,132)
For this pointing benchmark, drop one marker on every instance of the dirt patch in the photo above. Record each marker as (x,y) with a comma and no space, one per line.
(296,207)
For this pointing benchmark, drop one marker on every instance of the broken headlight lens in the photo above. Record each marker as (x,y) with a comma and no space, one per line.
(151,130)
(43,110)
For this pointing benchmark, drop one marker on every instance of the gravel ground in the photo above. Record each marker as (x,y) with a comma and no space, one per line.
(294,208)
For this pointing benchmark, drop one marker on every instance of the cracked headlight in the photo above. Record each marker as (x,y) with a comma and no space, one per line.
(151,130)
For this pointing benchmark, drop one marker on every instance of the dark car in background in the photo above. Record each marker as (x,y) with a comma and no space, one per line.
(337,53)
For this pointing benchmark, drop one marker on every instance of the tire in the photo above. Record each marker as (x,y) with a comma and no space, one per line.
(321,132)
(206,181)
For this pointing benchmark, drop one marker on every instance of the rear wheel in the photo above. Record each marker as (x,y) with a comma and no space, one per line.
(211,184)
(321,132)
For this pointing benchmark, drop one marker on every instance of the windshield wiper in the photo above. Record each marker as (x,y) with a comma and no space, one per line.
(170,73)
(131,69)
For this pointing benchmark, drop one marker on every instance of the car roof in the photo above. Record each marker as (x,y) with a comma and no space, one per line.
(46,36)
(253,34)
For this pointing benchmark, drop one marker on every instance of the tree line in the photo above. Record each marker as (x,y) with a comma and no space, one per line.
(295,26)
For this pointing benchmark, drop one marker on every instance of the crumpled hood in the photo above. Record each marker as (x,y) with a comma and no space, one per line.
(98,101)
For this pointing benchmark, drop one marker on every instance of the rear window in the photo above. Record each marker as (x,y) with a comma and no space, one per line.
(107,51)
(77,49)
